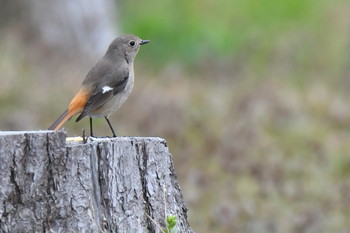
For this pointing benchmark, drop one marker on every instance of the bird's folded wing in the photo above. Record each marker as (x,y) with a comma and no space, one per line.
(103,93)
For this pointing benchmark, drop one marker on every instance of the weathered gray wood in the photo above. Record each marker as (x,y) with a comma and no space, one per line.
(109,185)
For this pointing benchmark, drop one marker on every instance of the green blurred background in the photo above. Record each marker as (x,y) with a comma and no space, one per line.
(251,95)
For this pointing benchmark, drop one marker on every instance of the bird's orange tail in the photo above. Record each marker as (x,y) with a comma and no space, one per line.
(61,120)
(75,106)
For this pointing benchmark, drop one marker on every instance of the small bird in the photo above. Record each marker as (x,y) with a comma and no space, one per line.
(107,85)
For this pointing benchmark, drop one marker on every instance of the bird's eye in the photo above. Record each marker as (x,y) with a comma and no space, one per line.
(132,43)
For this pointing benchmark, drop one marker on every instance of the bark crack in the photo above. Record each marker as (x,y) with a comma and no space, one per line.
(99,173)
(50,185)
(96,185)
(143,169)
(50,179)
(16,197)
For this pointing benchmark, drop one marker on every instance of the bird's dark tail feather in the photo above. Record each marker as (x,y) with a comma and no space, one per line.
(60,121)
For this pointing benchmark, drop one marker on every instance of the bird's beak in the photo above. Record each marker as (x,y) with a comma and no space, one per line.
(144,42)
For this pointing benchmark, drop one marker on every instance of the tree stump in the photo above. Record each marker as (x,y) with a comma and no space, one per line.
(123,184)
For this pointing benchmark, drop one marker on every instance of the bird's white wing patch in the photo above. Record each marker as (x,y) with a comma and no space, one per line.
(106,89)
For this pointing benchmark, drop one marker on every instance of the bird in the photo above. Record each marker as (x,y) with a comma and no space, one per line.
(107,85)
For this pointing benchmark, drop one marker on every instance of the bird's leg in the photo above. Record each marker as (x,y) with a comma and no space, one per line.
(91,133)
(110,126)
(84,138)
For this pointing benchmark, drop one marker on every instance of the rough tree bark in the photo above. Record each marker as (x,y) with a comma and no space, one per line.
(108,185)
